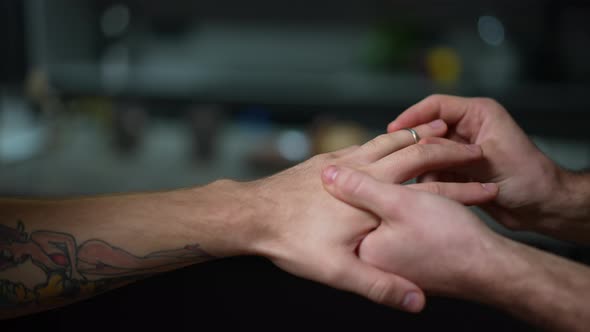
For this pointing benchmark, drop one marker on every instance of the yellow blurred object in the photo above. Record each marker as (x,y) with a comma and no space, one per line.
(101,108)
(335,136)
(37,86)
(443,65)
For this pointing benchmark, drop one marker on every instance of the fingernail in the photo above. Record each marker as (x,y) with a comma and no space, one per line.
(436,124)
(473,147)
(329,174)
(411,301)
(490,187)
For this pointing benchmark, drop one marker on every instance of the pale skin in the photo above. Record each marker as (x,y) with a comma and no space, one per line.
(458,256)
(470,261)
(78,246)
(535,193)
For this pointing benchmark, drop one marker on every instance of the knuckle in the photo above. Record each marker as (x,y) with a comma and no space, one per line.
(429,140)
(381,291)
(382,137)
(454,151)
(376,142)
(352,184)
(434,188)
(461,151)
(421,151)
(434,97)
(321,158)
(333,155)
(487,104)
(487,100)
(344,151)
(370,145)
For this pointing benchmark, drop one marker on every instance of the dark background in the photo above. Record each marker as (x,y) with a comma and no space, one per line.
(251,294)
(119,96)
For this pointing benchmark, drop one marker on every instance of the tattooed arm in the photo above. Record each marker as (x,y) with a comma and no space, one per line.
(56,248)
(56,252)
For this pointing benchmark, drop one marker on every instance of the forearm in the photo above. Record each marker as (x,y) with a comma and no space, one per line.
(56,252)
(546,290)
(568,215)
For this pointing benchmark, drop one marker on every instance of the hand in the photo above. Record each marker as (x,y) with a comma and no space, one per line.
(433,241)
(535,193)
(309,233)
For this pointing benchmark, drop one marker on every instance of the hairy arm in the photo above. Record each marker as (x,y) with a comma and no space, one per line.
(54,252)
(546,290)
(567,215)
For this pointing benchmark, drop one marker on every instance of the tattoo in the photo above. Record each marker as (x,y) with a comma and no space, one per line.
(71,270)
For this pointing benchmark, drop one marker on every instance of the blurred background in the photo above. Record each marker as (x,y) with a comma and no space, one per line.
(119,96)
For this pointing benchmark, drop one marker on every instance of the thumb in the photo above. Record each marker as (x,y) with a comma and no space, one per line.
(380,286)
(361,190)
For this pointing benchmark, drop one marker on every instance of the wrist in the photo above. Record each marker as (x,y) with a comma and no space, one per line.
(567,214)
(266,212)
(575,195)
(229,214)
(484,271)
(544,289)
(503,276)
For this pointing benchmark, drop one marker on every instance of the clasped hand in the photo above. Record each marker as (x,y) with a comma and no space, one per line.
(347,242)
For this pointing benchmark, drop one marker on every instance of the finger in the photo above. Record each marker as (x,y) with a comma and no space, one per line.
(442,176)
(379,286)
(473,193)
(448,108)
(462,173)
(430,177)
(344,151)
(451,138)
(386,144)
(421,158)
(361,190)
(437,140)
